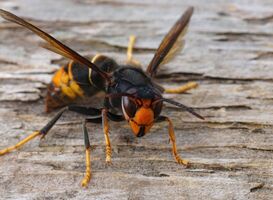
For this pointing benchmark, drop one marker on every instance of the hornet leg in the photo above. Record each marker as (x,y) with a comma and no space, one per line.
(95,115)
(130,59)
(41,133)
(96,119)
(106,135)
(181,89)
(83,110)
(178,159)
(87,176)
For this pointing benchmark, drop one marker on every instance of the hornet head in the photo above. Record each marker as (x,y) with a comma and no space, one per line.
(140,113)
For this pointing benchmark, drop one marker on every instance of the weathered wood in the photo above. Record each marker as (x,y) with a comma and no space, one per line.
(228,51)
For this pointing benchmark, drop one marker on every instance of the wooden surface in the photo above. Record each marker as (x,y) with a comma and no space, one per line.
(229,52)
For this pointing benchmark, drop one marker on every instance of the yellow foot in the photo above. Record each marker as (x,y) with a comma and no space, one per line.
(86,180)
(19,144)
(108,158)
(183,162)
(182,89)
(87,176)
(108,161)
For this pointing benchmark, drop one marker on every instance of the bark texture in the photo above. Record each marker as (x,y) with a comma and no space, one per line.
(229,52)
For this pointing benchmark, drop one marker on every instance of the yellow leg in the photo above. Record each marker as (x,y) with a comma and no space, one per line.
(172,138)
(182,89)
(87,176)
(130,59)
(42,132)
(19,144)
(106,135)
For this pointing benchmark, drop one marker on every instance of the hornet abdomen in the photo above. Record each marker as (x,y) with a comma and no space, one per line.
(75,81)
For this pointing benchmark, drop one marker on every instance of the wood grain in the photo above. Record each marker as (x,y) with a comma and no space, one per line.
(228,52)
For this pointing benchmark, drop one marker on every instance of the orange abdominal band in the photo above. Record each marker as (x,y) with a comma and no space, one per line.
(65,82)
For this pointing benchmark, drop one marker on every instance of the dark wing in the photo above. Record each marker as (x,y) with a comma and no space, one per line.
(53,44)
(171,44)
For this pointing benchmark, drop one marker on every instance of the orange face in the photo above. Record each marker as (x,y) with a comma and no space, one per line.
(140,113)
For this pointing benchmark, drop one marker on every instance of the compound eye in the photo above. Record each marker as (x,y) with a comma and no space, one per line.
(157,107)
(129,106)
